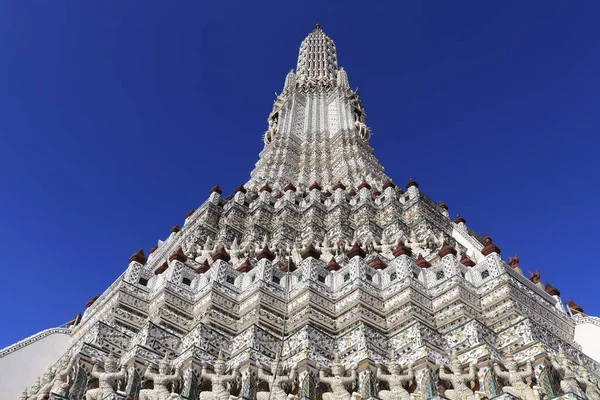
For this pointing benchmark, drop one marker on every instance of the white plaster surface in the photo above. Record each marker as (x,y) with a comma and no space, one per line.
(588,336)
(20,368)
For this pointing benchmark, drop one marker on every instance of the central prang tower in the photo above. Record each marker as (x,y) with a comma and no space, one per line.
(317,130)
(319,260)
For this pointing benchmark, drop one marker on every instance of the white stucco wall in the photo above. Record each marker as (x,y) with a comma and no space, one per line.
(588,336)
(22,364)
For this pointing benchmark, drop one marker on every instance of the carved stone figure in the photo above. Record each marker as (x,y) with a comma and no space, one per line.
(24,395)
(46,385)
(34,388)
(460,390)
(219,381)
(535,278)
(60,384)
(338,382)
(395,381)
(568,383)
(574,308)
(516,379)
(161,382)
(590,383)
(363,130)
(514,263)
(107,378)
(272,130)
(276,382)
(290,82)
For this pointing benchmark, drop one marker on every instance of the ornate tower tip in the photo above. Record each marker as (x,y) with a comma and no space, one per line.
(318,27)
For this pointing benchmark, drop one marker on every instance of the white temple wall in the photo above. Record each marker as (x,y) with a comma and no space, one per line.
(588,336)
(20,368)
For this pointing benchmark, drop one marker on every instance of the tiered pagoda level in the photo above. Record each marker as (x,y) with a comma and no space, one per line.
(321,262)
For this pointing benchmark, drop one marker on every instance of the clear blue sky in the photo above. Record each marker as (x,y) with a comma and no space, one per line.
(118,116)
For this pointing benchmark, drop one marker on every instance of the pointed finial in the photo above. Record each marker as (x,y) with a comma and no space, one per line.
(490,247)
(401,249)
(318,27)
(332,265)
(265,253)
(216,189)
(422,262)
(165,362)
(220,359)
(574,308)
(310,251)
(138,256)
(551,290)
(446,250)
(466,261)
(411,183)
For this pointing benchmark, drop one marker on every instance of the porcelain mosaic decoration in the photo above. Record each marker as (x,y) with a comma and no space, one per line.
(321,279)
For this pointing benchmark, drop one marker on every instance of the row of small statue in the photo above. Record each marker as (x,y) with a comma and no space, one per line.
(578,382)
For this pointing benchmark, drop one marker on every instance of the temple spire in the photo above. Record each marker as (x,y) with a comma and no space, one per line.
(316,131)
(317,58)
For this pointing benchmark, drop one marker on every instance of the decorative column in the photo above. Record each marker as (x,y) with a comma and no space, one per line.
(403,263)
(496,265)
(426,379)
(190,368)
(136,263)
(413,189)
(448,257)
(215,194)
(488,384)
(248,374)
(444,209)
(307,382)
(367,384)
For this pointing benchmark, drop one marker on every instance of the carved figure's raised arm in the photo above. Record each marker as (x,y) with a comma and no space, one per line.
(234,373)
(291,377)
(176,376)
(323,378)
(555,364)
(499,372)
(528,371)
(149,374)
(204,373)
(71,364)
(411,373)
(96,371)
(352,377)
(262,375)
(442,373)
(379,374)
(122,374)
(472,372)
